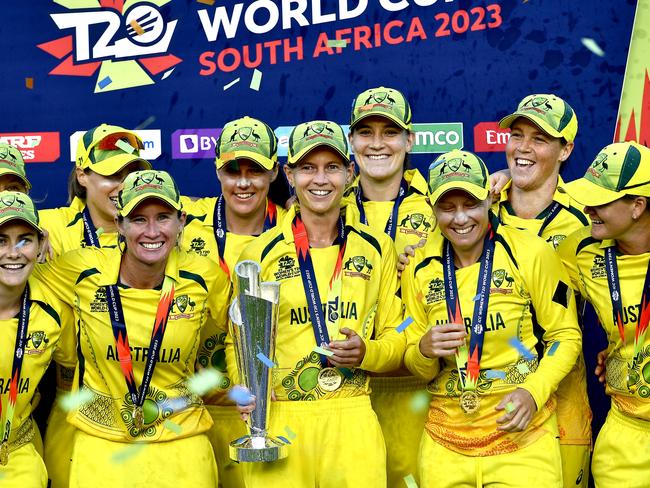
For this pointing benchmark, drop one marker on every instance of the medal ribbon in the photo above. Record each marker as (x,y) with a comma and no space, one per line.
(617,304)
(470,359)
(555,210)
(391,225)
(90,233)
(319,322)
(16,367)
(122,338)
(220,229)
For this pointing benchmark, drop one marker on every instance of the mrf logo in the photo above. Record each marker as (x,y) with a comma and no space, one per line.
(126,41)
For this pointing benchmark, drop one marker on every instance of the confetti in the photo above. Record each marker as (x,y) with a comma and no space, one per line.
(99,231)
(178,404)
(476,298)
(284,439)
(147,122)
(493,374)
(206,2)
(407,321)
(265,360)
(167,73)
(336,43)
(324,352)
(523,368)
(29,83)
(75,399)
(124,454)
(510,407)
(553,348)
(240,395)
(290,433)
(136,27)
(592,46)
(20,243)
(125,146)
(523,350)
(103,83)
(204,381)
(256,81)
(233,82)
(420,401)
(410,481)
(173,426)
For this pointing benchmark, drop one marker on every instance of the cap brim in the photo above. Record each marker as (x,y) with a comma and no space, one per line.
(10,218)
(266,163)
(385,115)
(590,194)
(128,208)
(7,171)
(113,165)
(478,192)
(295,159)
(507,121)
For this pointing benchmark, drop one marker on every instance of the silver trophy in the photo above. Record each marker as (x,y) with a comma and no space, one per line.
(254,316)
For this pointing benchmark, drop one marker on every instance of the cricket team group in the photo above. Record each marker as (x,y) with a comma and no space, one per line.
(429,326)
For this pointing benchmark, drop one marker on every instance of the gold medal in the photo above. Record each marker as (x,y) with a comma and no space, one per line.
(4,453)
(138,418)
(469,402)
(329,379)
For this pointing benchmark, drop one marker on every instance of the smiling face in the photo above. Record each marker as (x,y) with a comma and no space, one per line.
(533,156)
(613,220)
(245,186)
(319,179)
(380,147)
(463,220)
(19,248)
(151,231)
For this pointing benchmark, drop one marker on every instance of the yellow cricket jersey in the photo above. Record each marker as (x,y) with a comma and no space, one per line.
(369,305)
(50,335)
(201,290)
(574,413)
(198,237)
(415,219)
(530,300)
(66,228)
(584,258)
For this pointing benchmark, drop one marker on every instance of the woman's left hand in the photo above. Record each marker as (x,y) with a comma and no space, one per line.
(497,181)
(347,353)
(523,409)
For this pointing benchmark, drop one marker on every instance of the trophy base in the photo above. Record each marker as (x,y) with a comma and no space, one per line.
(242,450)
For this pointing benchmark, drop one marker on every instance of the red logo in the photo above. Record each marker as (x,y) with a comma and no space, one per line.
(36,147)
(489,137)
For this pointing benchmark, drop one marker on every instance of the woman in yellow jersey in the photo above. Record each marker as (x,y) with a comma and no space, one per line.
(220,228)
(494,331)
(542,131)
(140,310)
(338,291)
(105,155)
(12,170)
(609,265)
(34,329)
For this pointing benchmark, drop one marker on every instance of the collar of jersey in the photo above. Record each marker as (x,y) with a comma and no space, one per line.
(415,180)
(560,197)
(287,220)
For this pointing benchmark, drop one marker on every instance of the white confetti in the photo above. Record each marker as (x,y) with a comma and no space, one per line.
(75,399)
(592,46)
(204,381)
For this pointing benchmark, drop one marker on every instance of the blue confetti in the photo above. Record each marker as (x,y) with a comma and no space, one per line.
(103,83)
(407,321)
(493,374)
(284,439)
(265,360)
(240,395)
(553,348)
(20,243)
(523,350)
(476,298)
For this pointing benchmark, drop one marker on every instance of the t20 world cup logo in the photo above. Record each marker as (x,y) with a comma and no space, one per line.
(124,42)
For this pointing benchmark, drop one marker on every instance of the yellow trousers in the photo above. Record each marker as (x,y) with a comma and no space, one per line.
(575,465)
(337,444)
(24,470)
(228,426)
(59,440)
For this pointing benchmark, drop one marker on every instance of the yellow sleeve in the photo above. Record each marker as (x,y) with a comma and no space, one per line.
(567,251)
(386,352)
(65,353)
(62,273)
(416,362)
(555,312)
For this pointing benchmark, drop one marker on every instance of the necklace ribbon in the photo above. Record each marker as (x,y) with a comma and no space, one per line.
(391,225)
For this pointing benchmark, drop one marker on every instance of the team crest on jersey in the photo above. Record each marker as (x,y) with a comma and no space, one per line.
(436,291)
(358,267)
(415,223)
(182,308)
(99,303)
(556,239)
(36,342)
(502,281)
(598,268)
(197,245)
(286,268)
